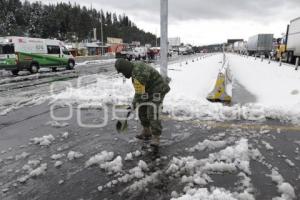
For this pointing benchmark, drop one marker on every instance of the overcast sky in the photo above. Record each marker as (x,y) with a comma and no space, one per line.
(205,21)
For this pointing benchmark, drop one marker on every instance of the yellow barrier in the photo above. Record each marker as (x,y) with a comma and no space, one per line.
(219,92)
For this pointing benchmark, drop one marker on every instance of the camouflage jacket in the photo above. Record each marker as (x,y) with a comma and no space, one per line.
(149,85)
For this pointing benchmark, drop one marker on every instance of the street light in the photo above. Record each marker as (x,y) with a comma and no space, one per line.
(164,38)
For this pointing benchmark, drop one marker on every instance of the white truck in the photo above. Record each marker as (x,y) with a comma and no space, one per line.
(293,41)
(240,47)
(19,53)
(261,44)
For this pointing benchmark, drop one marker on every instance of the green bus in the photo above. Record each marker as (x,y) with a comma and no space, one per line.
(24,53)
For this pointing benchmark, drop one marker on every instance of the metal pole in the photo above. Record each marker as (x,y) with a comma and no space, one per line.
(164,37)
(297,63)
(102,36)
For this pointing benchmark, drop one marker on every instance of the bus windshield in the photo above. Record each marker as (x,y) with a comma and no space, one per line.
(7,49)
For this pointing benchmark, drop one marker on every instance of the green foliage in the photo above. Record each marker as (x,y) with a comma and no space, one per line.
(66,21)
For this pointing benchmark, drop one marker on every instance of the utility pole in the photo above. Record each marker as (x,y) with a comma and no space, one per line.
(102,44)
(164,37)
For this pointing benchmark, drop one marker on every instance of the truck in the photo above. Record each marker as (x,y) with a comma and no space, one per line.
(239,47)
(25,53)
(260,44)
(288,47)
(293,41)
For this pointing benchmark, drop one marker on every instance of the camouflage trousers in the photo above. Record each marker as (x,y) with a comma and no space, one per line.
(150,116)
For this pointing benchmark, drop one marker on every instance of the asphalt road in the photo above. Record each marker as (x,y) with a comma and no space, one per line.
(75,181)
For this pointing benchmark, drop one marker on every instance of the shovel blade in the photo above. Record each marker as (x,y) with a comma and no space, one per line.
(121,126)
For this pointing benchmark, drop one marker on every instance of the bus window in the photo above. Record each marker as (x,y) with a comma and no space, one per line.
(53,49)
(7,49)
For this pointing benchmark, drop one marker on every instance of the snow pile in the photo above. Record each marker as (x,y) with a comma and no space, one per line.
(207,144)
(57,156)
(286,190)
(204,193)
(96,62)
(267,145)
(57,124)
(195,172)
(290,163)
(143,183)
(58,164)
(137,173)
(39,171)
(65,135)
(100,158)
(274,87)
(72,155)
(33,169)
(113,166)
(128,157)
(191,83)
(22,155)
(45,140)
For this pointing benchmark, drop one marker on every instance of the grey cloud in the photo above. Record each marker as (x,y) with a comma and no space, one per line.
(200,9)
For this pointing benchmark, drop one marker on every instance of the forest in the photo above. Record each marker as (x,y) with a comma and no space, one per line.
(67,22)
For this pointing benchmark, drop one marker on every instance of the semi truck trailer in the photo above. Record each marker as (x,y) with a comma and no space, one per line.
(288,47)
(261,44)
(293,41)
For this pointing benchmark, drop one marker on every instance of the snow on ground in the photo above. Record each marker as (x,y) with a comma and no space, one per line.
(277,89)
(96,62)
(286,190)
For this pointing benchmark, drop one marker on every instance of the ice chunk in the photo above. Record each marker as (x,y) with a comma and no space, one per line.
(128,156)
(65,135)
(208,144)
(39,171)
(44,140)
(113,166)
(58,164)
(100,158)
(22,155)
(267,145)
(72,155)
(57,156)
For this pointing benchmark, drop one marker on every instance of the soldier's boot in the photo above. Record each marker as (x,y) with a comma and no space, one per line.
(145,135)
(155,141)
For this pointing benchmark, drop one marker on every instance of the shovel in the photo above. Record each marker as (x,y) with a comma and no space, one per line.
(122,125)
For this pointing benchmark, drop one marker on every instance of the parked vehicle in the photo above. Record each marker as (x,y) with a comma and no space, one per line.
(288,47)
(293,41)
(126,53)
(136,53)
(239,47)
(186,50)
(19,53)
(140,53)
(261,44)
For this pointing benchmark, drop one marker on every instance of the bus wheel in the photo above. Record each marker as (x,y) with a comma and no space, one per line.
(70,65)
(15,72)
(34,68)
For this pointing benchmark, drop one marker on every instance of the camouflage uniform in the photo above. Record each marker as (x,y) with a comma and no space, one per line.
(150,90)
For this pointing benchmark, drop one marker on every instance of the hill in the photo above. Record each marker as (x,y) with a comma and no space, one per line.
(66,21)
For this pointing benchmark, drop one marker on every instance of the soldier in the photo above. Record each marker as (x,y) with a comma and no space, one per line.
(150,90)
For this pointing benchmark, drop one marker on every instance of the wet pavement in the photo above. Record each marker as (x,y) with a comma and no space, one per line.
(73,180)
(80,182)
